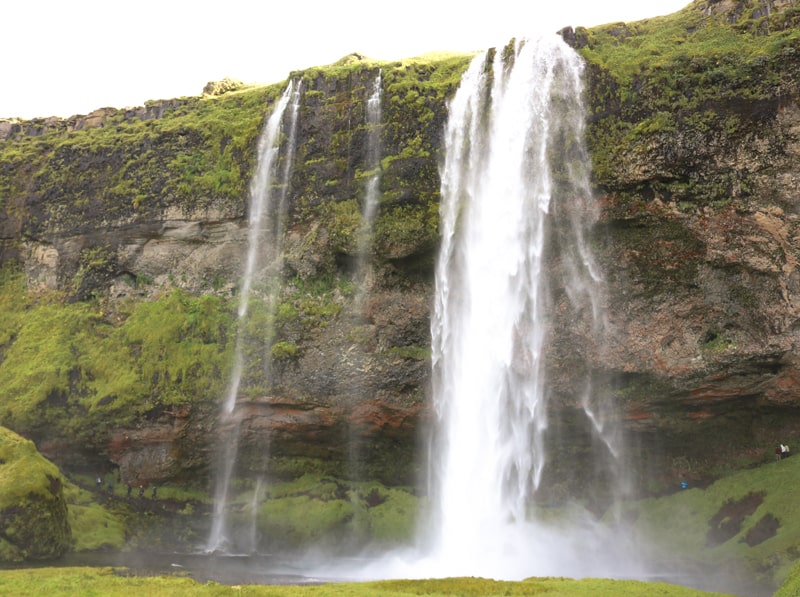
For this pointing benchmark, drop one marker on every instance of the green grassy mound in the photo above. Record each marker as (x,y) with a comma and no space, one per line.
(33,512)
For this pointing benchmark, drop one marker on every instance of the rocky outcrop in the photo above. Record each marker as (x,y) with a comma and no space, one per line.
(699,241)
(14,128)
(33,512)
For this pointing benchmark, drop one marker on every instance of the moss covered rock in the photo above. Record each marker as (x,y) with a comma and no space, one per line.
(33,512)
(326,510)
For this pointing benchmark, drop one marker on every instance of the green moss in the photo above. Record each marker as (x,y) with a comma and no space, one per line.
(391,514)
(714,341)
(314,508)
(93,527)
(407,229)
(344,223)
(67,368)
(284,351)
(198,153)
(682,522)
(790,586)
(33,513)
(670,90)
(13,302)
(300,520)
(417,353)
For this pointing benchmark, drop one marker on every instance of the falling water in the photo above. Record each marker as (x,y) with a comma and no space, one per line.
(265,231)
(517,290)
(515,199)
(372,164)
(373,155)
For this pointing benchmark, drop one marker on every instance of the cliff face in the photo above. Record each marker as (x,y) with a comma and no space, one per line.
(141,215)
(700,227)
(696,149)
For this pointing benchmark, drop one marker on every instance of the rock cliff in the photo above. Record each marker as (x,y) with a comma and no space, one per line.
(123,233)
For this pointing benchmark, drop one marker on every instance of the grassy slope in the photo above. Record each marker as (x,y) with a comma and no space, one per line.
(712,526)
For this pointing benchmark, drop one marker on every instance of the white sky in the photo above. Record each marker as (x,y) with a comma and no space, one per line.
(65,57)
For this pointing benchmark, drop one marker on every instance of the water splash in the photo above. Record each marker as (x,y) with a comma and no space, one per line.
(267,215)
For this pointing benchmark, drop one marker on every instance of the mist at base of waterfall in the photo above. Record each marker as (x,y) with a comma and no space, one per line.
(573,545)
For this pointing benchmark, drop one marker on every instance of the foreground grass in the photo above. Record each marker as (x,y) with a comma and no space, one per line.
(109,582)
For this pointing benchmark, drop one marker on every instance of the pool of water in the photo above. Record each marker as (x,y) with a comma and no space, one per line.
(203,567)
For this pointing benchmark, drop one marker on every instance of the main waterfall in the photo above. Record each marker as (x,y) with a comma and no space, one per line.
(516,211)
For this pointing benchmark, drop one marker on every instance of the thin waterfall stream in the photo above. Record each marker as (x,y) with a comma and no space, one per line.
(266,222)
(369,208)
(373,161)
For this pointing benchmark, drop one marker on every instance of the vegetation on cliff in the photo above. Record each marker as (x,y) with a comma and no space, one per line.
(197,154)
(679,100)
(68,369)
(330,177)
(84,371)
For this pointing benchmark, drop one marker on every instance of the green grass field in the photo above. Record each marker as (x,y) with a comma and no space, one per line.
(108,582)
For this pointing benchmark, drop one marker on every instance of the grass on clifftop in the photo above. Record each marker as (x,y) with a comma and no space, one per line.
(671,92)
(199,153)
(687,57)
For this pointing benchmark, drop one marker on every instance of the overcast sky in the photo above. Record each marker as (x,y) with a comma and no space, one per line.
(65,57)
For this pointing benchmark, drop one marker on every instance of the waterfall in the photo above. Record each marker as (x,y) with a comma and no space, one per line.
(515,210)
(363,270)
(372,164)
(266,222)
(373,155)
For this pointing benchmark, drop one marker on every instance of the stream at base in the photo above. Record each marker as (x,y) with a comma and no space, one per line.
(224,569)
(274,569)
